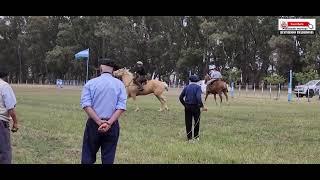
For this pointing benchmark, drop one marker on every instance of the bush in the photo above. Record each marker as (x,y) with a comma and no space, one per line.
(304,77)
(275,79)
(233,74)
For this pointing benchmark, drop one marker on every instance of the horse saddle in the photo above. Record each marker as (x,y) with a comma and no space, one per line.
(214,81)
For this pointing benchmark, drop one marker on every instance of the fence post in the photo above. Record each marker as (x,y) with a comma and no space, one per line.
(232,89)
(239,88)
(270,91)
(247,90)
(254,89)
(262,89)
(279,92)
(308,94)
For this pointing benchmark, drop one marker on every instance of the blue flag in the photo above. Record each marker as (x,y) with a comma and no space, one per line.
(82,55)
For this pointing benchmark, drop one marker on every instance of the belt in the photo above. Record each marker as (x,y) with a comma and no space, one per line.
(191,104)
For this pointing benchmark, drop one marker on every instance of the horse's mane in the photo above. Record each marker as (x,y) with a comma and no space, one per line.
(127,71)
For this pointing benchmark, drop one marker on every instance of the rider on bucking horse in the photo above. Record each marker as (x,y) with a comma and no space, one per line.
(214,74)
(140,75)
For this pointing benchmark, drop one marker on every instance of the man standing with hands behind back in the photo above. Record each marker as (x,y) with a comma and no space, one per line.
(190,98)
(104,100)
(7,112)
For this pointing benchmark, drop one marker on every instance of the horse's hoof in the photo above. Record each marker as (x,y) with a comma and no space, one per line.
(160,110)
(136,110)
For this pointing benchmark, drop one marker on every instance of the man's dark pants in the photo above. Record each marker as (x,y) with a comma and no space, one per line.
(5,143)
(192,112)
(139,79)
(93,140)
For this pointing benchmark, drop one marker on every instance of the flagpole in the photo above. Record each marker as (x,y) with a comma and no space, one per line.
(87,67)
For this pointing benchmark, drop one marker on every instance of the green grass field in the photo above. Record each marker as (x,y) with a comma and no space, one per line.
(249,130)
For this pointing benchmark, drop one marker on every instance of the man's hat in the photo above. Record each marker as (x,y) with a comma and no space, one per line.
(194,78)
(3,71)
(139,62)
(108,62)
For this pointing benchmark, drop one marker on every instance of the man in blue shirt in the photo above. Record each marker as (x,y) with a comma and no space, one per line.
(191,100)
(104,100)
(7,113)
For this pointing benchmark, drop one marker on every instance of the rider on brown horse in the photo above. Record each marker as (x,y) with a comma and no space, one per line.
(214,74)
(215,84)
(140,75)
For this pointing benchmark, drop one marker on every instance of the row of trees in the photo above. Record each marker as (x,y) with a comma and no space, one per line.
(42,48)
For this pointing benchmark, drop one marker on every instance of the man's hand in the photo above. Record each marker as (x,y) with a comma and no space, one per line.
(204,109)
(104,127)
(15,127)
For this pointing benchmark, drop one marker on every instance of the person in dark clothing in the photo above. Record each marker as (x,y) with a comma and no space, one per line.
(140,75)
(190,98)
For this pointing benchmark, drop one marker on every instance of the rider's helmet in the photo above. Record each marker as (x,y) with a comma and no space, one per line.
(211,67)
(139,63)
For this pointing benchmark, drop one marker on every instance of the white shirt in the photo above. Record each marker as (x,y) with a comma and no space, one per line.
(7,100)
(215,74)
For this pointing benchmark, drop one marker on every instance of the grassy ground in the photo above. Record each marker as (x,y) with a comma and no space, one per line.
(253,129)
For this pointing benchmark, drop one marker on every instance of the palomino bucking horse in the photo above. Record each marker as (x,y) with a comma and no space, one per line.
(152,86)
(216,87)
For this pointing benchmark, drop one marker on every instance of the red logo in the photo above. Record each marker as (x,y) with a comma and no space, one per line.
(300,24)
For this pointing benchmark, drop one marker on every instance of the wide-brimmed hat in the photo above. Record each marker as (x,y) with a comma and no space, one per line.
(194,78)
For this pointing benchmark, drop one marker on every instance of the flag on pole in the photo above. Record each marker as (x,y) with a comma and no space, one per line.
(290,87)
(82,54)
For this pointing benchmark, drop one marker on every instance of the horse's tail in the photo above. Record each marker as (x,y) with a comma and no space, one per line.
(166,86)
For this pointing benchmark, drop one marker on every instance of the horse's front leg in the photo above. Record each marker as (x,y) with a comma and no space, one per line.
(135,103)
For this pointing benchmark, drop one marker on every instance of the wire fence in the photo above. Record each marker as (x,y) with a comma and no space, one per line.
(269,91)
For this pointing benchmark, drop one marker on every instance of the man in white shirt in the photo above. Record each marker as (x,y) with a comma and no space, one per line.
(7,113)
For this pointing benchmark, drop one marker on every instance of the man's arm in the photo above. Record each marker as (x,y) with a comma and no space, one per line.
(13,114)
(120,108)
(10,102)
(86,104)
(199,91)
(93,115)
(181,97)
(143,71)
(115,116)
(121,105)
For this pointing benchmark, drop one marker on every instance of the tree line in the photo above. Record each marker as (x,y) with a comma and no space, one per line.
(42,48)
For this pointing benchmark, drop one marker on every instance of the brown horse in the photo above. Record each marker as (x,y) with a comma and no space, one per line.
(152,86)
(217,87)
